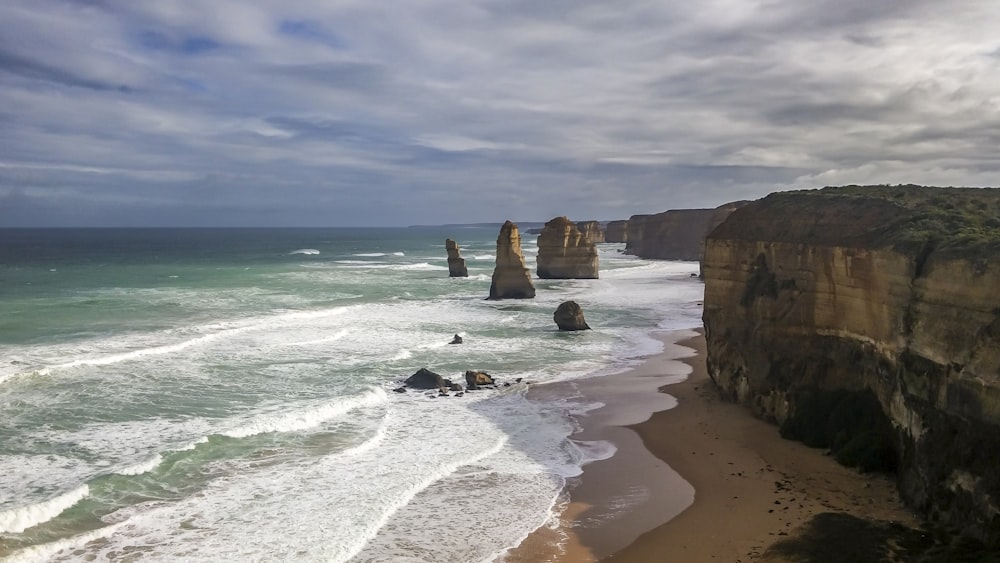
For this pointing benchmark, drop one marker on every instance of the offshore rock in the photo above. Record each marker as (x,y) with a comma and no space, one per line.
(427,379)
(456,264)
(456,340)
(592,230)
(511,279)
(476,379)
(866,320)
(616,231)
(569,316)
(565,253)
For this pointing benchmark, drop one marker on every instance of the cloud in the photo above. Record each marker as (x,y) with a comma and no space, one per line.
(353,113)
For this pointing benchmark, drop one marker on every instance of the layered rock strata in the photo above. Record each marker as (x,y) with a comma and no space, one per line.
(456,264)
(592,230)
(565,253)
(616,231)
(511,279)
(867,321)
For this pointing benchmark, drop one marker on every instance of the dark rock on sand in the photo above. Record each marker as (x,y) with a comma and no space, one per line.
(569,316)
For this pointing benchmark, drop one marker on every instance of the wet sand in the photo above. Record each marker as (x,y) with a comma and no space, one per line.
(703,481)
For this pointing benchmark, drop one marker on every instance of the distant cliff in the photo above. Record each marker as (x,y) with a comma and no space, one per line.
(616,231)
(678,234)
(867,321)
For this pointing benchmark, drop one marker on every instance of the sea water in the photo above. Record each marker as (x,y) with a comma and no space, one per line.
(207,394)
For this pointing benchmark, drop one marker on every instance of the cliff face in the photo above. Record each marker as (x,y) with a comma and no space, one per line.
(592,230)
(616,231)
(565,253)
(511,279)
(672,235)
(867,321)
(456,264)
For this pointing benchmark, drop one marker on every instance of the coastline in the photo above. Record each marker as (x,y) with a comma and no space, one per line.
(709,482)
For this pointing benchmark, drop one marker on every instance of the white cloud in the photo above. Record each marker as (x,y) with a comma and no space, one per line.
(438,103)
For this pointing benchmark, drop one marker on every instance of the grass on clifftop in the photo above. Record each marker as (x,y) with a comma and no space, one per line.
(962,221)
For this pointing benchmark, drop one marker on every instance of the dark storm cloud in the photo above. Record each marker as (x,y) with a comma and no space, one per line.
(313,113)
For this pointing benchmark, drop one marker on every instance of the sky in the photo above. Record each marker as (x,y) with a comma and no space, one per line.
(362,112)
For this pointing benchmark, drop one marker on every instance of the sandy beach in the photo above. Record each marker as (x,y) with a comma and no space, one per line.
(701,481)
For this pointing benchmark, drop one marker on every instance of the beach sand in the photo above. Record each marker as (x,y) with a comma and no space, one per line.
(702,481)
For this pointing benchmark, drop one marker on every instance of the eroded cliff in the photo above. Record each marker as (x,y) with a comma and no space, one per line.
(565,253)
(592,230)
(511,278)
(677,234)
(867,321)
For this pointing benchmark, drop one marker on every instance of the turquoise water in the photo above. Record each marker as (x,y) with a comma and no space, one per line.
(199,394)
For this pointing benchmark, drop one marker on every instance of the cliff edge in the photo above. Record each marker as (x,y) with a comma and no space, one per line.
(866,320)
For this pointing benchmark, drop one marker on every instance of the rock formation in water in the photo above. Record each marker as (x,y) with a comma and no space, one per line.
(511,279)
(592,230)
(564,253)
(456,264)
(866,320)
(427,379)
(569,316)
(616,231)
(476,379)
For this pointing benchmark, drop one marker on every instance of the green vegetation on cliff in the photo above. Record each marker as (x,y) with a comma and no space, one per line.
(963,221)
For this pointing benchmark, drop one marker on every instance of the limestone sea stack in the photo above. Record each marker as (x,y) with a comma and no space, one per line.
(511,279)
(569,316)
(564,253)
(616,231)
(456,264)
(592,230)
(866,320)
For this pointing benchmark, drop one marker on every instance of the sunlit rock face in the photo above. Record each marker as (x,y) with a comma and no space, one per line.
(565,253)
(878,304)
(511,279)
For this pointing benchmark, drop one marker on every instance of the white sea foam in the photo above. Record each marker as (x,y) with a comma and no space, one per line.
(306,418)
(423,266)
(16,520)
(484,257)
(47,551)
(305,251)
(141,467)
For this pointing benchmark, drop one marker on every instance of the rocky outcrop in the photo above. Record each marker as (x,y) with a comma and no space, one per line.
(569,316)
(511,279)
(427,379)
(867,321)
(456,264)
(565,253)
(616,231)
(592,230)
(476,379)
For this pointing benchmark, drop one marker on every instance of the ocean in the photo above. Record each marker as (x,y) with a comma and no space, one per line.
(202,394)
